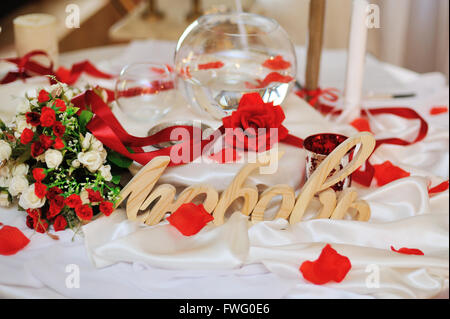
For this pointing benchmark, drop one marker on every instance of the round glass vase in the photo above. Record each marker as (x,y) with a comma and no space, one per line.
(220,57)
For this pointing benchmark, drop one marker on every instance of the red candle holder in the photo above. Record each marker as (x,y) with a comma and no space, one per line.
(318,147)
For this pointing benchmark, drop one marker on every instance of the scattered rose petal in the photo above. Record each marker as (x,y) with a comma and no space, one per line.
(12,240)
(438,110)
(361,124)
(270,78)
(189,218)
(221,156)
(407,251)
(211,65)
(387,172)
(438,188)
(329,266)
(277,63)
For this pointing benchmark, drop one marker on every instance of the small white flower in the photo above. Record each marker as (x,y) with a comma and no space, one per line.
(28,199)
(5,150)
(84,196)
(23,106)
(92,160)
(105,171)
(53,158)
(4,199)
(17,185)
(86,141)
(20,170)
(75,163)
(4,181)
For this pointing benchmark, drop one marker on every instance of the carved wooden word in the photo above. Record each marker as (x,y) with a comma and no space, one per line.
(149,205)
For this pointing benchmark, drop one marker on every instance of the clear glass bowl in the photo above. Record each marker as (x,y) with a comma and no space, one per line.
(219,57)
(145,91)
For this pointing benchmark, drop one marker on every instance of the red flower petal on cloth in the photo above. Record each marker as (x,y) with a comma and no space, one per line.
(438,188)
(329,266)
(408,251)
(438,110)
(361,124)
(223,156)
(12,240)
(276,63)
(387,172)
(189,218)
(211,65)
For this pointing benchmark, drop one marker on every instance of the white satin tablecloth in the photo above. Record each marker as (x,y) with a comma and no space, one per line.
(118,258)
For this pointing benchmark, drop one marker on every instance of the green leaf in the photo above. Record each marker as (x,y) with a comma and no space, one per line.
(119,160)
(116,179)
(84,119)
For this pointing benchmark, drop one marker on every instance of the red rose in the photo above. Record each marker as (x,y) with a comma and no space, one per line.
(43,96)
(59,129)
(106,208)
(53,192)
(34,213)
(253,114)
(33,118)
(38,174)
(36,149)
(30,222)
(47,117)
(40,225)
(84,212)
(59,144)
(46,141)
(60,223)
(94,196)
(40,189)
(60,104)
(73,201)
(26,136)
(54,210)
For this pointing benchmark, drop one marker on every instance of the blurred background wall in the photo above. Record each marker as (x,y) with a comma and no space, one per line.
(412,33)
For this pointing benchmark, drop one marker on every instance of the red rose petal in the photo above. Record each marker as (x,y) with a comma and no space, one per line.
(438,188)
(329,266)
(361,124)
(408,251)
(277,63)
(438,110)
(211,65)
(12,240)
(189,218)
(387,172)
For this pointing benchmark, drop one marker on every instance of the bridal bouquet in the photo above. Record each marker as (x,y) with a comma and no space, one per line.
(59,173)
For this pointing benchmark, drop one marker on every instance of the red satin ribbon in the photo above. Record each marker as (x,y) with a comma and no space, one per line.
(27,68)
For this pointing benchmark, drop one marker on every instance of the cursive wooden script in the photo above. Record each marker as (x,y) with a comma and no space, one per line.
(150,205)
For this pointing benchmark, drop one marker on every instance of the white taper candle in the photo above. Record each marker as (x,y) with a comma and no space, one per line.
(355,61)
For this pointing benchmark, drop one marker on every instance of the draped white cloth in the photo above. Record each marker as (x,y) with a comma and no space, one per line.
(117,258)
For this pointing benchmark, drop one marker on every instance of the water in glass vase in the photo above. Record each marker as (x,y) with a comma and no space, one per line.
(216,82)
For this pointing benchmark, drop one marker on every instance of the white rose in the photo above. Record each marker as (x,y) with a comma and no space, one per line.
(20,170)
(5,171)
(86,143)
(17,185)
(105,171)
(4,181)
(21,124)
(103,154)
(4,199)
(53,158)
(84,196)
(75,163)
(28,199)
(5,150)
(23,106)
(92,160)
(96,145)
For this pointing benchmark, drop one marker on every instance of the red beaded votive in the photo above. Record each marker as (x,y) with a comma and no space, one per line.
(318,147)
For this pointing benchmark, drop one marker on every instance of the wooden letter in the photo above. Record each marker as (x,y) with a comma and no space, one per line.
(142,184)
(288,201)
(319,181)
